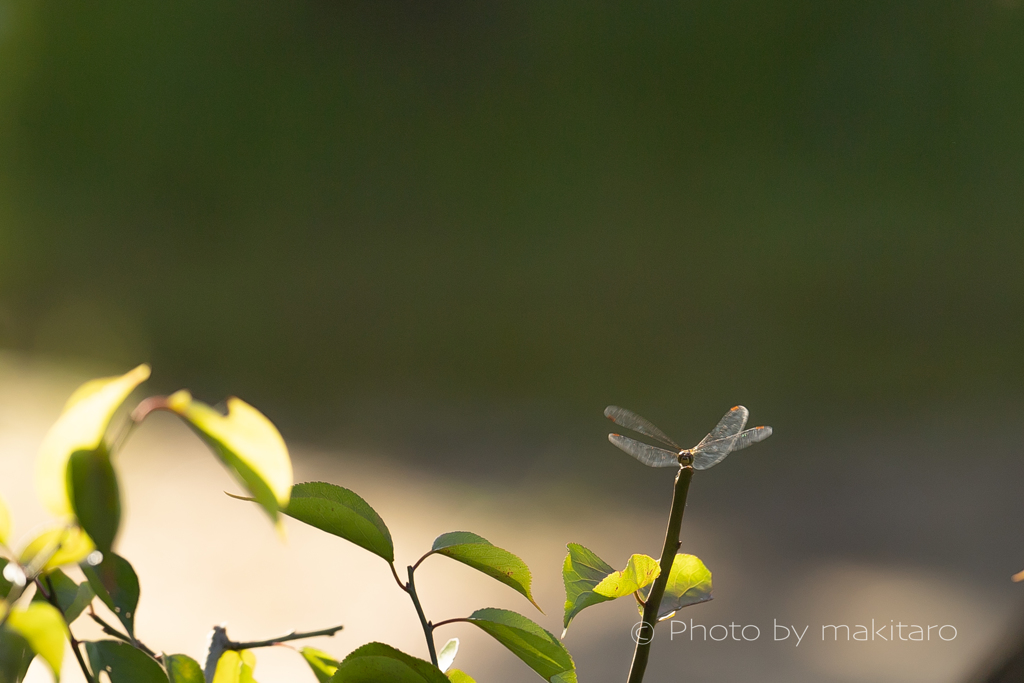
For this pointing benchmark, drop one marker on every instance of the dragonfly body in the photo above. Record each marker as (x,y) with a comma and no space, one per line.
(726,437)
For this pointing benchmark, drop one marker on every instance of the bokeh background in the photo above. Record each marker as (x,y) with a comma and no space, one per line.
(432,242)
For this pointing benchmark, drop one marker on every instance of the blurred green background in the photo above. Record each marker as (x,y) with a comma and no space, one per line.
(347,212)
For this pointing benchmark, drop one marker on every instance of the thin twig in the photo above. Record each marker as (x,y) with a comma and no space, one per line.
(112,631)
(420,561)
(51,597)
(231,645)
(451,621)
(394,573)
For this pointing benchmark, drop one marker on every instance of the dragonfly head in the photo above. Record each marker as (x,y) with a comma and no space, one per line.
(686,458)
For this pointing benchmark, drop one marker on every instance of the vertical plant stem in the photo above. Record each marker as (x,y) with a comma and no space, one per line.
(645,635)
(428,628)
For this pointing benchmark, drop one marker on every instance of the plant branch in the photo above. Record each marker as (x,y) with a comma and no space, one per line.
(428,629)
(220,643)
(645,635)
(276,641)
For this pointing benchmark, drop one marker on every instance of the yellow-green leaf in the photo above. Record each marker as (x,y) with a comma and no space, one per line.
(235,667)
(482,555)
(342,513)
(183,669)
(247,442)
(689,583)
(538,649)
(589,580)
(456,676)
(5,523)
(43,628)
(58,547)
(322,664)
(81,427)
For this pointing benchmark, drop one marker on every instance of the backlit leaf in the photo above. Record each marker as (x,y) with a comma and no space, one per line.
(81,427)
(43,629)
(456,676)
(589,580)
(123,663)
(446,655)
(540,650)
(480,554)
(235,667)
(116,584)
(377,662)
(58,547)
(95,498)
(323,665)
(689,583)
(183,669)
(247,442)
(342,513)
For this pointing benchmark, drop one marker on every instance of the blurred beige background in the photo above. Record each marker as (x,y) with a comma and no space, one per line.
(205,559)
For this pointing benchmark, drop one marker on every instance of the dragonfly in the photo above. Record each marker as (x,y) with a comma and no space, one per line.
(726,437)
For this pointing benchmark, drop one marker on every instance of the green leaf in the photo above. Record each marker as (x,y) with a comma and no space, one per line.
(5,523)
(540,650)
(377,662)
(123,663)
(15,655)
(73,598)
(235,667)
(446,655)
(43,629)
(248,443)
(58,547)
(689,583)
(116,584)
(81,427)
(342,513)
(480,554)
(456,676)
(95,498)
(322,664)
(589,580)
(183,669)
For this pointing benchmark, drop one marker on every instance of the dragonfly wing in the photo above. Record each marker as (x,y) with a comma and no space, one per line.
(751,436)
(731,424)
(630,420)
(714,452)
(652,456)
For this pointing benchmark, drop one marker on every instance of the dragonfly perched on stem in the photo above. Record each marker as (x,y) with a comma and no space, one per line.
(726,437)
